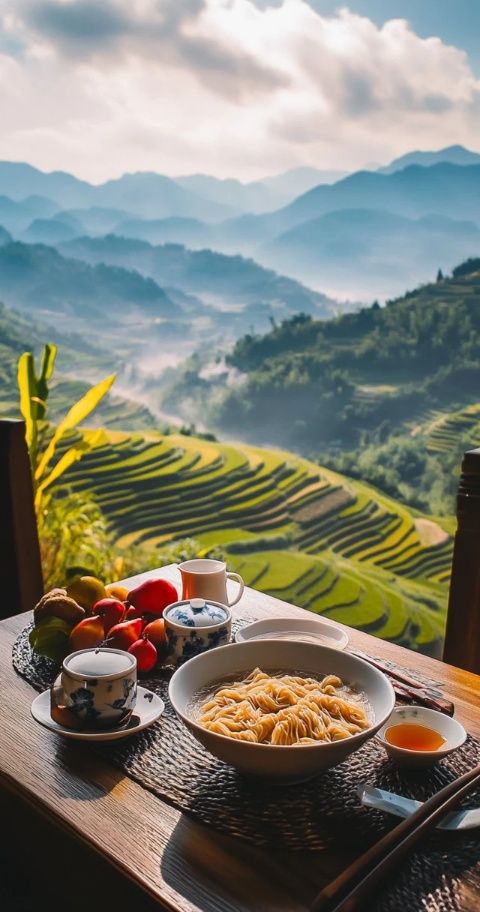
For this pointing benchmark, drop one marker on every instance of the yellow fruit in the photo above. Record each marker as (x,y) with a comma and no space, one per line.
(58,604)
(118,592)
(86,590)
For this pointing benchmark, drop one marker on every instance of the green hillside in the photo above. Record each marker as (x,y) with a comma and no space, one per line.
(293,529)
(310,384)
(35,277)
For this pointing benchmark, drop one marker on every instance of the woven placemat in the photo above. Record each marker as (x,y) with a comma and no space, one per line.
(312,815)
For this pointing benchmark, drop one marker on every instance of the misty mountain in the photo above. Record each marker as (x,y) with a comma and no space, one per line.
(16,215)
(376,251)
(456,155)
(262,195)
(443,189)
(255,197)
(94,219)
(221,281)
(37,278)
(51,231)
(143,194)
(299,180)
(152,195)
(5,237)
(19,180)
(190,232)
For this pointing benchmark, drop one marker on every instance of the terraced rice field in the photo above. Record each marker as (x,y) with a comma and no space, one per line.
(293,529)
(444,432)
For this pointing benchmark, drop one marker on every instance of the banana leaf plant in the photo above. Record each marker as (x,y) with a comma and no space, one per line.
(34,391)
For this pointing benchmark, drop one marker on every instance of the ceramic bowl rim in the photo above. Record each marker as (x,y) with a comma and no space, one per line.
(447,748)
(182,629)
(340,644)
(81,676)
(360,736)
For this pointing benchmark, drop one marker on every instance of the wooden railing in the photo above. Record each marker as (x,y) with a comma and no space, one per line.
(462,637)
(21,583)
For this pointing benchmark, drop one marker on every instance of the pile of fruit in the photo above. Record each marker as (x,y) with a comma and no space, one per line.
(88,614)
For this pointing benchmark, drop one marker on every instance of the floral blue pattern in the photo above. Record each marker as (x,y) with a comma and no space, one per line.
(192,644)
(82,704)
(195,625)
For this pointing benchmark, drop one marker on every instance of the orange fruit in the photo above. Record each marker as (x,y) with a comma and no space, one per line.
(115,591)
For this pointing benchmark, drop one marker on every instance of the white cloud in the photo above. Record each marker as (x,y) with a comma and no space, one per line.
(222,86)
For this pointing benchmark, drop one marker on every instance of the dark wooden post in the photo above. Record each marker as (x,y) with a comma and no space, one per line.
(21,583)
(462,638)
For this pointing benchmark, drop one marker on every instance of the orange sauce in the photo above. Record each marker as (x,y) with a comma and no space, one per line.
(414,737)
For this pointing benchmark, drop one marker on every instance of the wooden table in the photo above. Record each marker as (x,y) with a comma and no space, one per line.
(83,825)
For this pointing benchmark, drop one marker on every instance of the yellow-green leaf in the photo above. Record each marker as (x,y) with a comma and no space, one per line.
(73,454)
(46,372)
(27,386)
(48,362)
(74,416)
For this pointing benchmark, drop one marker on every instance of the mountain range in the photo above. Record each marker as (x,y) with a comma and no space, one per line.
(456,155)
(151,195)
(369,234)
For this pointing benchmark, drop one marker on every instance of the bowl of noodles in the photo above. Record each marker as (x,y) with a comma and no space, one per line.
(281,709)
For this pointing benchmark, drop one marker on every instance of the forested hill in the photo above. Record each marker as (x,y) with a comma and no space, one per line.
(309,383)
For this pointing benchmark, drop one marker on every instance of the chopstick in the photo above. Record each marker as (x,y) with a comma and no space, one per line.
(399,676)
(423,698)
(410,690)
(349,890)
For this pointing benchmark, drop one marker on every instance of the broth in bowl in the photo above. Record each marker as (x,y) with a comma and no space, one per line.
(283,709)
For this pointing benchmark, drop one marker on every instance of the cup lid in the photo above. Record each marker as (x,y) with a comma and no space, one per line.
(197,612)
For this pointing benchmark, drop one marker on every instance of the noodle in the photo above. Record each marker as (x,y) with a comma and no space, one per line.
(283,709)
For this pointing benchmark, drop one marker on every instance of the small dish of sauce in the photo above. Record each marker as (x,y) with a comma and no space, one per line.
(418,736)
(410,736)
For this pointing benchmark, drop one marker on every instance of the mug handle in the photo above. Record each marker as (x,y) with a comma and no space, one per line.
(239,580)
(58,710)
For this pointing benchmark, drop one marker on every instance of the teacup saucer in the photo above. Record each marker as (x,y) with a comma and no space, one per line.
(148,709)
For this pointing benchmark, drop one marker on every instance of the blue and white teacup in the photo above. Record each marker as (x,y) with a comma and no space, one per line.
(195,625)
(97,688)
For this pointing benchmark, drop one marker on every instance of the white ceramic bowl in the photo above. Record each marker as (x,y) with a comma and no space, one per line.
(239,659)
(448,728)
(307,630)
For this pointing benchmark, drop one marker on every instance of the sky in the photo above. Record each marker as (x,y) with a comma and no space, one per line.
(240,88)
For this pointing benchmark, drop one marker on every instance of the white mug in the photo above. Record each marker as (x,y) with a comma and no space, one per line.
(207,579)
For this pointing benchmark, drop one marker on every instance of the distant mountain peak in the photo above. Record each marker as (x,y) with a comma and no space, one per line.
(454,155)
